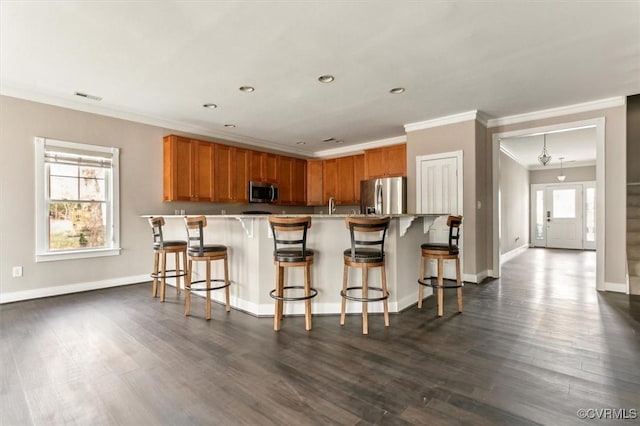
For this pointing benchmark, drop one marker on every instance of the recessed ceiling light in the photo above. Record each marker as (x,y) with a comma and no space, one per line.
(396,90)
(328,140)
(301,143)
(88,96)
(327,78)
(210,106)
(247,89)
(230,126)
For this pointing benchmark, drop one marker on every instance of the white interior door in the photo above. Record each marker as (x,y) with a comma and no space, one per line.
(438,185)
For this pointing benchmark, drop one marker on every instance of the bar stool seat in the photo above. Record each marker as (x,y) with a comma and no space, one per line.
(207,249)
(201,252)
(290,250)
(364,258)
(441,252)
(161,248)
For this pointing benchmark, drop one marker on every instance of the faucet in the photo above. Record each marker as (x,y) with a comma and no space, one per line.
(332,205)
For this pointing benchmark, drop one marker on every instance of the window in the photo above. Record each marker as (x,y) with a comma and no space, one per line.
(76,200)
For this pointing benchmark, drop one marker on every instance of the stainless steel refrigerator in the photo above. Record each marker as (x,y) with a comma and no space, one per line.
(383,195)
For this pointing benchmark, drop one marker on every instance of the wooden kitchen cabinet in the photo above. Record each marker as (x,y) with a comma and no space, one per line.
(346,182)
(292,178)
(387,161)
(314,183)
(187,169)
(285,190)
(341,179)
(299,182)
(358,174)
(263,167)
(231,174)
(330,180)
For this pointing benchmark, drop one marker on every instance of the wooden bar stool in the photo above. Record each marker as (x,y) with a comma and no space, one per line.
(365,252)
(290,251)
(201,252)
(160,250)
(442,252)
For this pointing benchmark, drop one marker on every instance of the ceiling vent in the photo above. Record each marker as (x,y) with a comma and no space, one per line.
(86,95)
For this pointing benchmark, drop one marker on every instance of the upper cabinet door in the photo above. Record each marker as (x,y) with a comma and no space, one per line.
(346,184)
(299,182)
(178,169)
(231,174)
(223,176)
(314,183)
(387,161)
(240,170)
(263,167)
(203,173)
(285,190)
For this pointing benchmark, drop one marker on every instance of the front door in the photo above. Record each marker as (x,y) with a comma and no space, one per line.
(558,214)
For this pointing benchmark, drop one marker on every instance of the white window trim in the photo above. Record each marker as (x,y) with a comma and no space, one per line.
(42,215)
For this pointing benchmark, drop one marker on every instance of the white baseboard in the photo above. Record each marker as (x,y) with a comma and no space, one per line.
(616,287)
(513,253)
(37,293)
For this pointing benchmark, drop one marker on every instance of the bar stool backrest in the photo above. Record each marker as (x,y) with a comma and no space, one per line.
(156,228)
(195,232)
(290,236)
(361,227)
(454,222)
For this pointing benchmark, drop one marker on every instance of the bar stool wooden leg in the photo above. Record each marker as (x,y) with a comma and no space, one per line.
(187,287)
(184,266)
(226,281)
(163,271)
(208,298)
(307,302)
(421,288)
(440,287)
(177,262)
(277,317)
(459,281)
(345,276)
(365,294)
(156,261)
(385,302)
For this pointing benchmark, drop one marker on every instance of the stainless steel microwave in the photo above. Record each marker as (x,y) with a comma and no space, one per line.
(262,192)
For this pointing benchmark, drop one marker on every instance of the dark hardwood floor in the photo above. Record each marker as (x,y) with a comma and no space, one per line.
(530,348)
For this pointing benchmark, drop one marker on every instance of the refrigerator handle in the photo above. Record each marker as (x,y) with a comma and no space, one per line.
(378,199)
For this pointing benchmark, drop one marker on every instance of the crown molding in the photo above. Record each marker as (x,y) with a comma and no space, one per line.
(443,121)
(170,125)
(511,155)
(557,112)
(359,148)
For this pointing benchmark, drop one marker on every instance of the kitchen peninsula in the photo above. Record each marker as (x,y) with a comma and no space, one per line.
(252,272)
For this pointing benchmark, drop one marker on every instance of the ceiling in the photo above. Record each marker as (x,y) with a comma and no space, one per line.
(159,62)
(577,147)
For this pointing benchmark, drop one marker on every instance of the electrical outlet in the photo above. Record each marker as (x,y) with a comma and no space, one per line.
(17,271)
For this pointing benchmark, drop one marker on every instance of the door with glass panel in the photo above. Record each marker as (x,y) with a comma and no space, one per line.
(563,216)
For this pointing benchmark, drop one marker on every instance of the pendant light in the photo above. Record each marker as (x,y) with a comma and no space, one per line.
(561,177)
(544,158)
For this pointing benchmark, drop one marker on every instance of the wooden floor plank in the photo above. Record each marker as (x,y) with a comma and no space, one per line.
(531,348)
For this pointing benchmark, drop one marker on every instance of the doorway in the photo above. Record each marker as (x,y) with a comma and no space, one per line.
(599,125)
